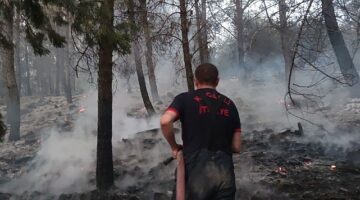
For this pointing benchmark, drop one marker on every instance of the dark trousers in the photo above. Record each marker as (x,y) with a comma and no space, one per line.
(209,176)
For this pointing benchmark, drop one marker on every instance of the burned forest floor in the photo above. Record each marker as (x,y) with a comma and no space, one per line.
(296,163)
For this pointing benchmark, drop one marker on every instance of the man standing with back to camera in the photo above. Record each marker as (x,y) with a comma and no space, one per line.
(211,132)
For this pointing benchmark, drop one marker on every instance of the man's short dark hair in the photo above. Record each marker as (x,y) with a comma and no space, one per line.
(207,73)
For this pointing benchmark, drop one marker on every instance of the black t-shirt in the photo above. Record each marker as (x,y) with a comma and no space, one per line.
(201,126)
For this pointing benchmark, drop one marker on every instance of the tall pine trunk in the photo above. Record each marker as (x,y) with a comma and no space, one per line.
(138,63)
(13,99)
(67,67)
(50,82)
(17,51)
(149,51)
(239,24)
(204,31)
(58,72)
(27,68)
(201,25)
(344,59)
(285,36)
(185,45)
(104,165)
(140,74)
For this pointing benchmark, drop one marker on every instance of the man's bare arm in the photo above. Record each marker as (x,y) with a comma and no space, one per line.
(167,127)
(236,143)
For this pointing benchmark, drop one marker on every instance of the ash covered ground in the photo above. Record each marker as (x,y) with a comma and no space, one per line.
(55,159)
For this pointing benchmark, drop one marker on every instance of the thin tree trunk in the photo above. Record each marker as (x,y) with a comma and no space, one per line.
(185,45)
(202,31)
(140,74)
(59,68)
(149,51)
(13,100)
(17,51)
(58,72)
(104,167)
(285,36)
(67,76)
(198,26)
(239,14)
(42,77)
(129,90)
(138,63)
(344,59)
(50,82)
(27,68)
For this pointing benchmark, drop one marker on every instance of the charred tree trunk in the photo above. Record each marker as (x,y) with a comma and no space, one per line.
(67,67)
(344,59)
(138,64)
(149,51)
(201,25)
(104,165)
(285,36)
(185,45)
(27,68)
(13,100)
(239,15)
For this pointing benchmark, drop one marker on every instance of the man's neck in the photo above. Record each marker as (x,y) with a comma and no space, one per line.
(206,87)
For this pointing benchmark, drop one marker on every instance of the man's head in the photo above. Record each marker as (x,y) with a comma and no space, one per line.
(206,75)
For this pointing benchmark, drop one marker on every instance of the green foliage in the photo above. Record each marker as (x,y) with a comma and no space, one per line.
(33,10)
(88,17)
(86,22)
(38,27)
(2,128)
(5,13)
(56,39)
(36,40)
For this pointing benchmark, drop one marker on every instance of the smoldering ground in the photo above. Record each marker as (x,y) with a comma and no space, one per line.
(65,161)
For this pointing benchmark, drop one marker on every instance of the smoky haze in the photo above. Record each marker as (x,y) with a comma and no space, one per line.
(65,163)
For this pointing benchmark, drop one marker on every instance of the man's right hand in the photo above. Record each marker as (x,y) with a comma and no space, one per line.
(175,150)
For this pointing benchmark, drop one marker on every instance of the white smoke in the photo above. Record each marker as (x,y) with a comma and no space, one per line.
(65,162)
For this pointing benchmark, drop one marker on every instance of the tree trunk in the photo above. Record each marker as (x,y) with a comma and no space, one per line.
(204,31)
(13,100)
(141,79)
(58,72)
(149,51)
(344,59)
(239,14)
(104,165)
(27,68)
(50,81)
(285,36)
(17,51)
(129,90)
(201,25)
(67,74)
(138,64)
(185,45)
